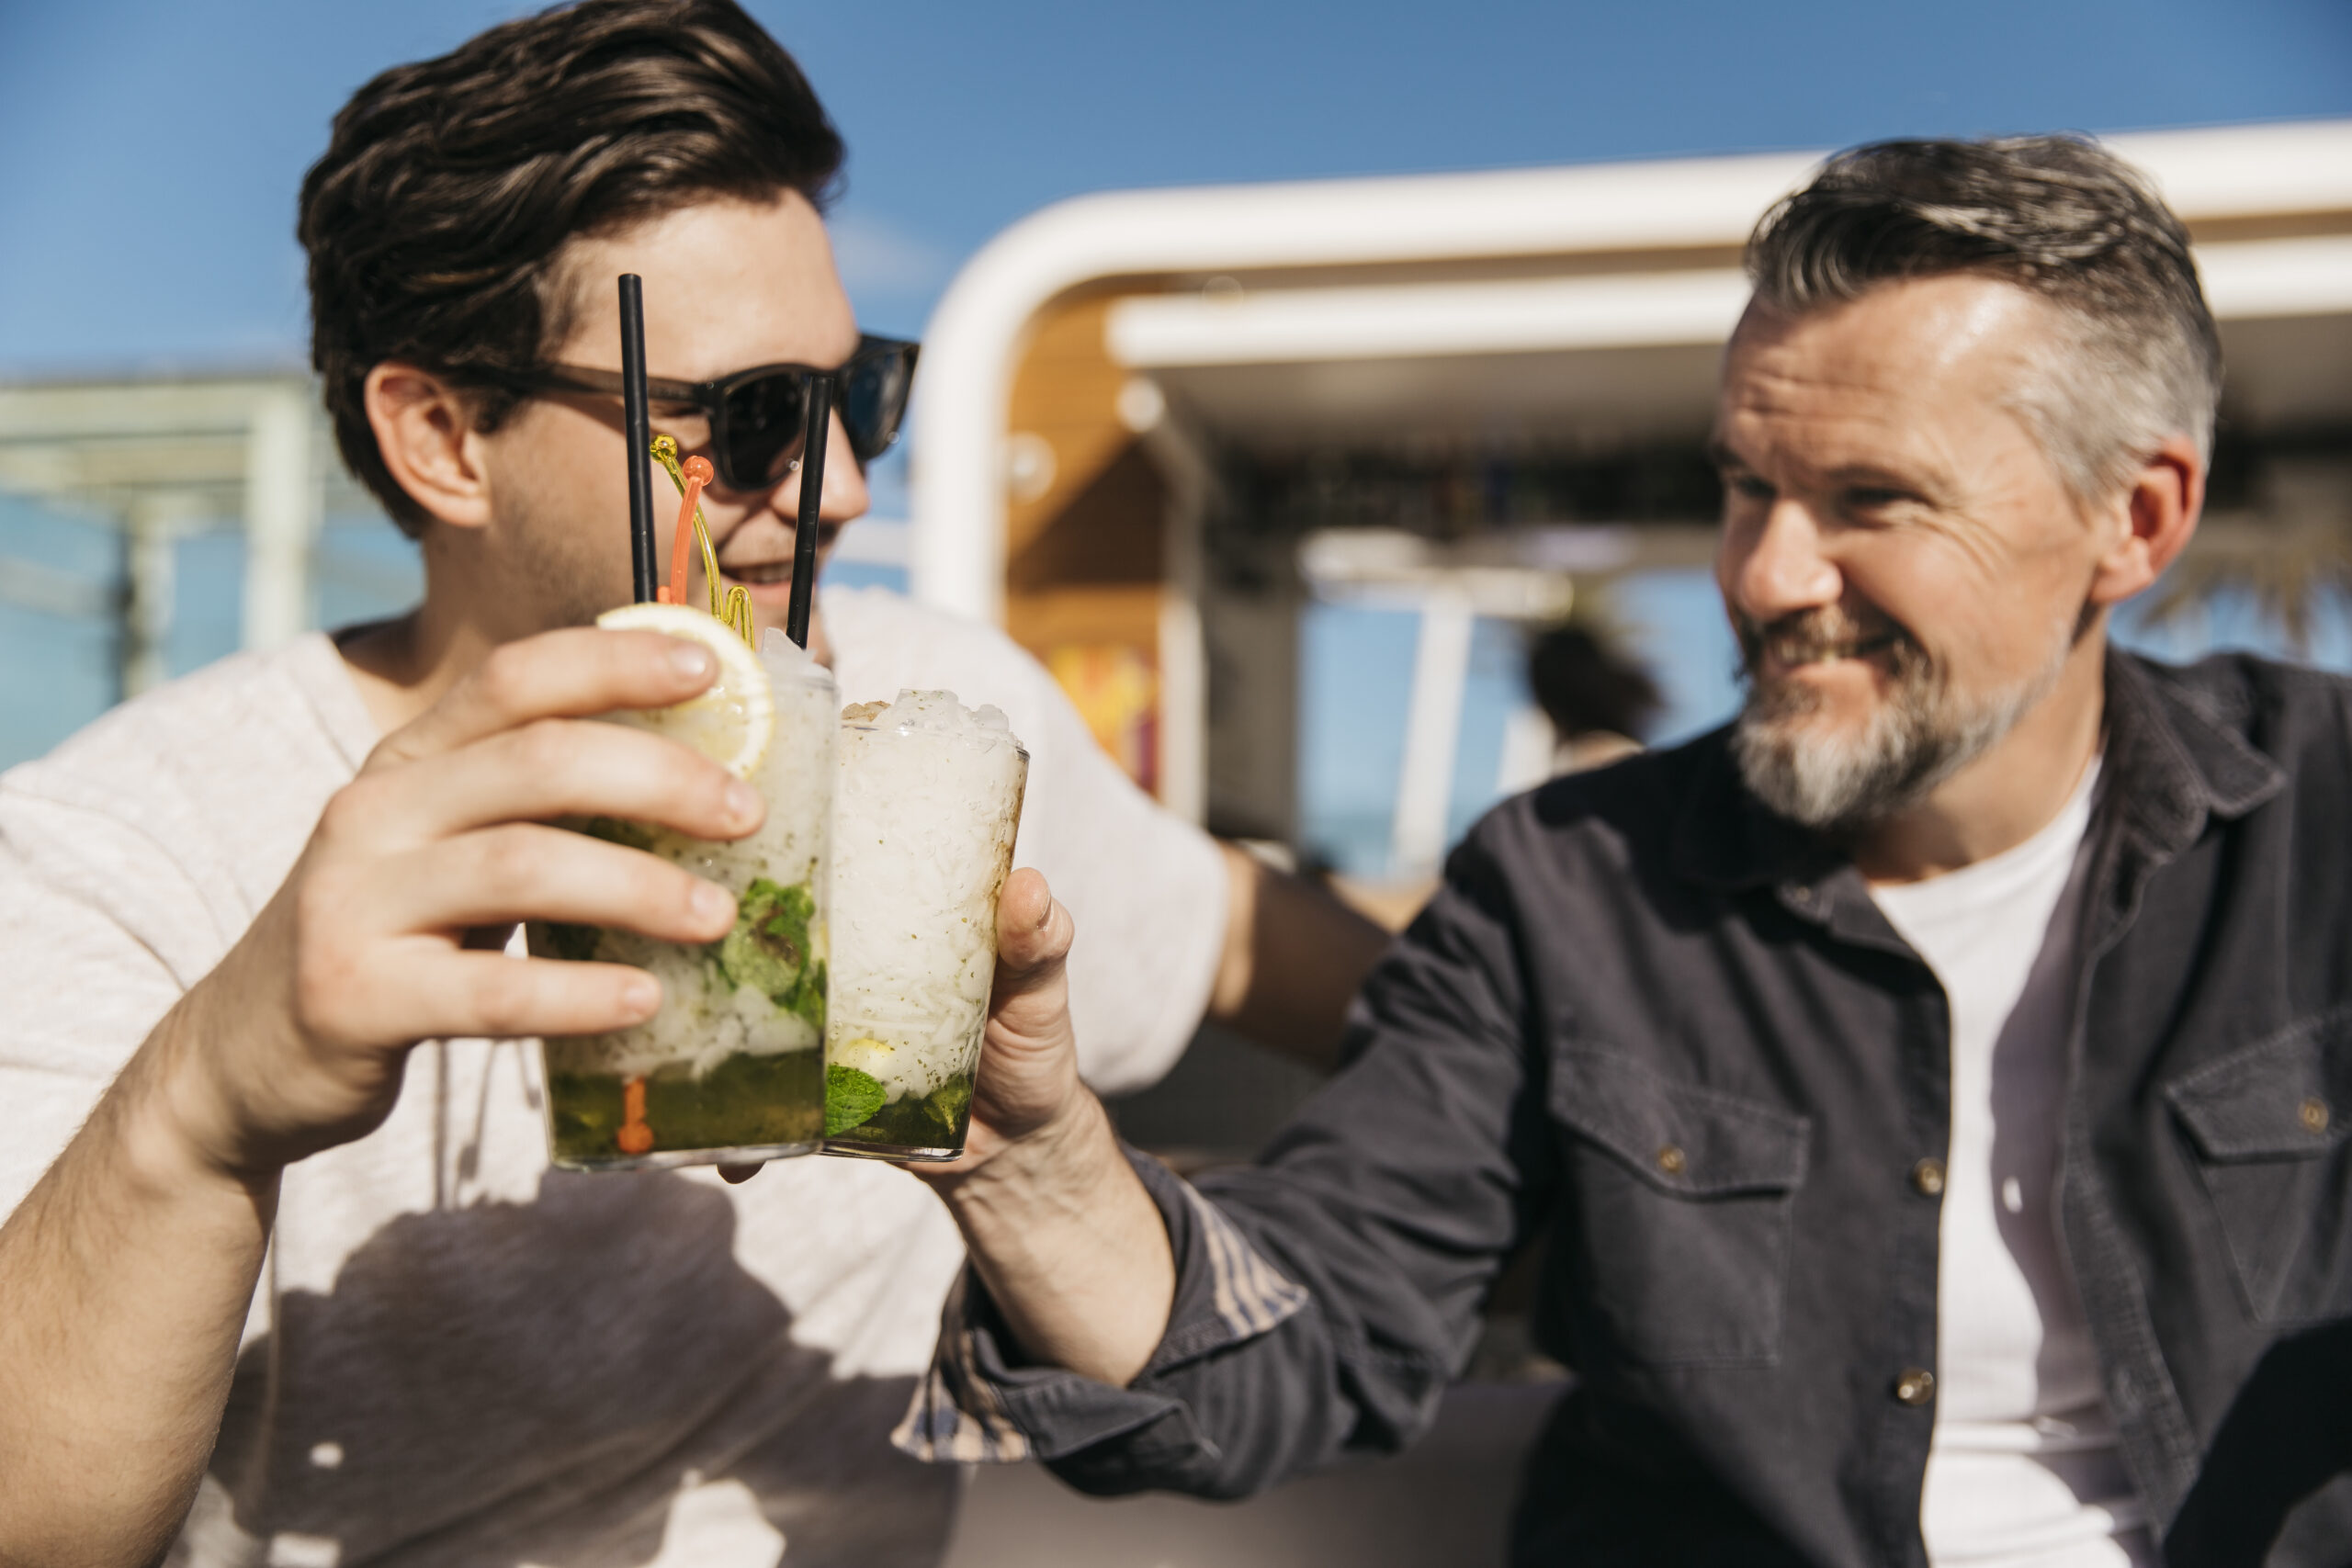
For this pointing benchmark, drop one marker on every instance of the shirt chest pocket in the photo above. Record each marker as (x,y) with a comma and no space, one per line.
(2267,1127)
(1679,1209)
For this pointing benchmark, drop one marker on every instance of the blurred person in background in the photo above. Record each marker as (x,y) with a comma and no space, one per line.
(1598,698)
(1935,1082)
(268,1255)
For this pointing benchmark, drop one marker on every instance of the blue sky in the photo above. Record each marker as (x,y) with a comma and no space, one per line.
(156,147)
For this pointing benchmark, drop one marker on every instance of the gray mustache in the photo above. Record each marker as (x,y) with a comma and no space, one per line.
(1816,635)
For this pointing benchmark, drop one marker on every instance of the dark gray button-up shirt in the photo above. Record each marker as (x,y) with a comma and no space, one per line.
(1672,1035)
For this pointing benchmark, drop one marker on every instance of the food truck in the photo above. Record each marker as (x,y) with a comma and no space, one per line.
(1153,426)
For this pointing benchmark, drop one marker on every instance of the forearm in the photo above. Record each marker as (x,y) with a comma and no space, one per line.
(1244,1385)
(125,1278)
(1071,1248)
(1293,956)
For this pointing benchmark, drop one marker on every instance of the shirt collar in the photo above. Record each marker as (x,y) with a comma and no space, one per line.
(2180,754)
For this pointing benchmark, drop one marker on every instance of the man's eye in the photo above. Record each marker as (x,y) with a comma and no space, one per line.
(1750,486)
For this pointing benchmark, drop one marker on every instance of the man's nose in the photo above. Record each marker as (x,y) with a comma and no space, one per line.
(846,492)
(1782,567)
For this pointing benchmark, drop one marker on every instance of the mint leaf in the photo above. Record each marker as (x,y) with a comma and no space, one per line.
(850,1098)
(768,949)
(807,998)
(949,1101)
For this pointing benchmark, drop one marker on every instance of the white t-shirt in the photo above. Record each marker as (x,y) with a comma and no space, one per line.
(2023,1470)
(457,1357)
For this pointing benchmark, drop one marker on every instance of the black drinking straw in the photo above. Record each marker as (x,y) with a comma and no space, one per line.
(639,423)
(812,498)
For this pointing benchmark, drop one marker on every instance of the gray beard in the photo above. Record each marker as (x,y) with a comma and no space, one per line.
(1921,736)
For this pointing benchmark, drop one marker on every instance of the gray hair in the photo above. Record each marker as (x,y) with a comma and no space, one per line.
(2058,216)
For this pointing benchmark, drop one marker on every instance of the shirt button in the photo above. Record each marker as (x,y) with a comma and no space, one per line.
(1915,1386)
(1671,1160)
(2314,1115)
(1928,1179)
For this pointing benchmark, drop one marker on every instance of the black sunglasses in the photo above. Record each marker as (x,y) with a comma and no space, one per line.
(758,417)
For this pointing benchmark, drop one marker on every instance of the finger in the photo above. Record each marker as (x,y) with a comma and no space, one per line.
(1031,996)
(429,990)
(571,673)
(736,1175)
(496,877)
(546,770)
(1033,931)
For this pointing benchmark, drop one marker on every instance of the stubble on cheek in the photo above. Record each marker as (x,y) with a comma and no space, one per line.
(561,572)
(561,556)
(1790,746)
(1917,732)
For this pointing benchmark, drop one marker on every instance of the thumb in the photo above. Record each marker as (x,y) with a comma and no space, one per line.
(1033,936)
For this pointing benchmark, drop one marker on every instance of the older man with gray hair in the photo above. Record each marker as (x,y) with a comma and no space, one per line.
(1932,1087)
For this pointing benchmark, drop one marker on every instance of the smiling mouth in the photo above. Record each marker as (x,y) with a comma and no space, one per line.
(770,573)
(1816,653)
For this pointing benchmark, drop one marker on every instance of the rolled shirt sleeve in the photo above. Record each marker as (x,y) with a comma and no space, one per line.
(1325,1297)
(980,1406)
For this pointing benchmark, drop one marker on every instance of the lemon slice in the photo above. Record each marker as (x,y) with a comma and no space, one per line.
(730,722)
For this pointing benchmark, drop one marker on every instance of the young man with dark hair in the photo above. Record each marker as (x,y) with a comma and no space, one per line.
(284,1247)
(1932,1085)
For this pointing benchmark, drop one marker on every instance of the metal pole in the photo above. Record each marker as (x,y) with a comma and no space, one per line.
(282,519)
(1529,745)
(148,583)
(1433,726)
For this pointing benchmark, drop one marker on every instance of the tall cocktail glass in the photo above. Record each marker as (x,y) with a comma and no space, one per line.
(927,801)
(731,1068)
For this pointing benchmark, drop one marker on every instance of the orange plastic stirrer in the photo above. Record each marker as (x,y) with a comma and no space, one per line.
(635,1137)
(698,473)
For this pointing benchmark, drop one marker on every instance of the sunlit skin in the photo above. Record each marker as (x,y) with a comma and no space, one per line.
(1873,462)
(536,511)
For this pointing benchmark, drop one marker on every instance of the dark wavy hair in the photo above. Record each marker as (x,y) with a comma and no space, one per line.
(2137,359)
(1584,684)
(438,218)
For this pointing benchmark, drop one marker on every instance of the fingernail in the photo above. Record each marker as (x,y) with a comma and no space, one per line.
(641,995)
(688,660)
(742,801)
(712,904)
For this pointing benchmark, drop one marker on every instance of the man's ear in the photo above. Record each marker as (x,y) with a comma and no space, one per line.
(2153,522)
(424,429)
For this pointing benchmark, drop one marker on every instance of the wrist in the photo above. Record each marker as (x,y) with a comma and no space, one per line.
(179,1121)
(1071,1249)
(1055,1167)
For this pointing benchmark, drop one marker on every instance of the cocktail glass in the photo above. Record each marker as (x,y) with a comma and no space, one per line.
(730,1069)
(926,805)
